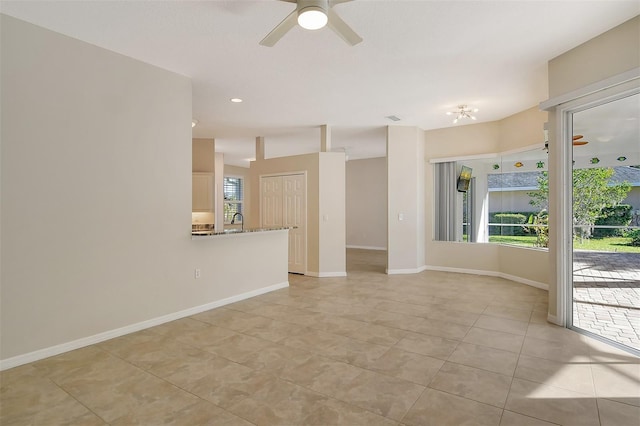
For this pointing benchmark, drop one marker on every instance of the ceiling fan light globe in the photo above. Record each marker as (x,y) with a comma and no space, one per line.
(312,18)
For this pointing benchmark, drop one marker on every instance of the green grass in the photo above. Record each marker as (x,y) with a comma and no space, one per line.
(611,244)
(619,244)
(529,241)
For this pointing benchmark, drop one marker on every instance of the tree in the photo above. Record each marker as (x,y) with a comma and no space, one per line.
(592,192)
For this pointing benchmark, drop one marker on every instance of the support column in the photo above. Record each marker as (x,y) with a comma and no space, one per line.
(325,138)
(405,206)
(259,148)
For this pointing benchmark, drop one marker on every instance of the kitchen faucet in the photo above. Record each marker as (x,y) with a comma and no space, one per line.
(233,219)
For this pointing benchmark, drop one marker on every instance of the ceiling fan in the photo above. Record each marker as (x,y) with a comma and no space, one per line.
(313,15)
(577,141)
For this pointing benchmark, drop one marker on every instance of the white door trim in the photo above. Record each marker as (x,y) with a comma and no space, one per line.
(562,150)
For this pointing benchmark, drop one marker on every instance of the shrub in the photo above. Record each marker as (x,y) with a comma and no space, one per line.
(619,215)
(508,218)
(539,224)
(635,237)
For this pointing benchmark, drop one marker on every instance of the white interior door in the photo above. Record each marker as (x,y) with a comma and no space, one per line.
(283,203)
(295,215)
(271,202)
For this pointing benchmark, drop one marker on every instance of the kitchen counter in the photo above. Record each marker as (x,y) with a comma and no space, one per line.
(205,235)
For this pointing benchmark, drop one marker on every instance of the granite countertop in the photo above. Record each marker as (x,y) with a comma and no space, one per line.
(196,235)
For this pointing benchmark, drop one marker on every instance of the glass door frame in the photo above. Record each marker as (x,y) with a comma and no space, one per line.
(562,152)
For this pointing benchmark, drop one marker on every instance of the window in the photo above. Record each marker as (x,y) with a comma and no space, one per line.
(233,188)
(505,202)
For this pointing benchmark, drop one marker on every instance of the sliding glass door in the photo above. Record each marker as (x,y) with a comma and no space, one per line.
(605,291)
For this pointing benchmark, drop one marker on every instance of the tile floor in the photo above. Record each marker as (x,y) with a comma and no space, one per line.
(428,349)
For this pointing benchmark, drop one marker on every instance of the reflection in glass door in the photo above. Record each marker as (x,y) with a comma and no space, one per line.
(606,221)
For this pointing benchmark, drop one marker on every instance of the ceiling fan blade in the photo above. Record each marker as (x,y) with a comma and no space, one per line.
(342,29)
(280,30)
(334,2)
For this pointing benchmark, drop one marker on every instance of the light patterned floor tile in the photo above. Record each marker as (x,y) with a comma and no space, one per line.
(436,408)
(435,348)
(552,404)
(473,383)
(496,360)
(494,339)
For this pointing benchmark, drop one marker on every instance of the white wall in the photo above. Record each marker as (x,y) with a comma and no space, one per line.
(96,200)
(366,214)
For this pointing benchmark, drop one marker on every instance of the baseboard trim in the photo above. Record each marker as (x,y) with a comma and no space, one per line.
(367,247)
(405,271)
(515,278)
(532,283)
(554,320)
(101,337)
(326,274)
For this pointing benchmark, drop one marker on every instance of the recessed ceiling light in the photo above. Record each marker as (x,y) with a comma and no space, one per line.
(236,100)
(392,118)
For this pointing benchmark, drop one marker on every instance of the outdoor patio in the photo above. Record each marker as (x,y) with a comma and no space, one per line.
(607,295)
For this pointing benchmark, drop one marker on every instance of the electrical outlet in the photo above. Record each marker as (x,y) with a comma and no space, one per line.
(196,273)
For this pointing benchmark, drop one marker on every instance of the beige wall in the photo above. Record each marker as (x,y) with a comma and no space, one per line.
(202,155)
(96,202)
(405,178)
(460,141)
(523,129)
(327,198)
(333,232)
(366,196)
(609,54)
(514,132)
(202,161)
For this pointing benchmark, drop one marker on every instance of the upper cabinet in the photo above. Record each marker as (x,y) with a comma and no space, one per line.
(202,192)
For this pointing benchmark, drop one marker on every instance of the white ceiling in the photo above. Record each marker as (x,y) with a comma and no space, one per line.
(418,60)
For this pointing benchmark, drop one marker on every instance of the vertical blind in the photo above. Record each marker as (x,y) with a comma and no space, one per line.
(445,201)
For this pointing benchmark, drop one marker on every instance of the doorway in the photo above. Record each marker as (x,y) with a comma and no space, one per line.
(605,215)
(283,203)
